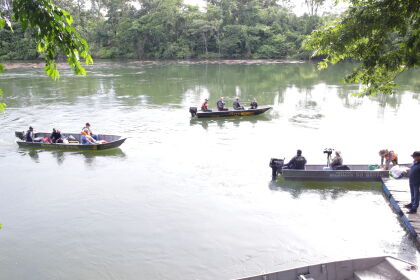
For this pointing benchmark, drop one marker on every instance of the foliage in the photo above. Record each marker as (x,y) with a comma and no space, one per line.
(53,33)
(383,35)
(170,29)
(50,30)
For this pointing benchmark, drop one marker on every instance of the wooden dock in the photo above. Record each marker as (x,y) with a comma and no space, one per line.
(398,194)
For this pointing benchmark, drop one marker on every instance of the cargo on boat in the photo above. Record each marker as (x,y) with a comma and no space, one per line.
(112,141)
(229,113)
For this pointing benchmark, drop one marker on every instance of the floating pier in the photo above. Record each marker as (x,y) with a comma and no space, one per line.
(398,194)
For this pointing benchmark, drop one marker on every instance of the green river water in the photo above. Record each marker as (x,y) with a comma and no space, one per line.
(193,199)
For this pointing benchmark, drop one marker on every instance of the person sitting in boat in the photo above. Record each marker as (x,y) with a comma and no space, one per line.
(56,136)
(86,138)
(221,105)
(297,162)
(87,126)
(204,106)
(388,156)
(254,104)
(337,161)
(29,136)
(237,105)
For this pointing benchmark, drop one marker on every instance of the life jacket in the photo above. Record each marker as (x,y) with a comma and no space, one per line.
(394,156)
(299,163)
(204,106)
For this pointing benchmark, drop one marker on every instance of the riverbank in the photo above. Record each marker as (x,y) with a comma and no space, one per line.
(63,65)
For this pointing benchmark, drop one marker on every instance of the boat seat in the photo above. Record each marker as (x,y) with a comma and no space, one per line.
(385,270)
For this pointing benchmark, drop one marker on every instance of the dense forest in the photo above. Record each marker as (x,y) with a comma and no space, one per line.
(170,29)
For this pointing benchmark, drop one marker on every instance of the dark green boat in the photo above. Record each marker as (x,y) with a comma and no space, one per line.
(230,113)
(113,141)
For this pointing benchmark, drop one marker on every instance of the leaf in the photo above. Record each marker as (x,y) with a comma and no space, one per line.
(2,107)
(1,68)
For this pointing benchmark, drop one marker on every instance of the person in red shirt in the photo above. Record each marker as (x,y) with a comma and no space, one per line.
(204,106)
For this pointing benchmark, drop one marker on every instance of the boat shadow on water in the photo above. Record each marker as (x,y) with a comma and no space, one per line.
(325,189)
(61,155)
(222,122)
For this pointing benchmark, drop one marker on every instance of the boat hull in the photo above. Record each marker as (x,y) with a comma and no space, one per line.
(364,268)
(335,175)
(113,141)
(232,113)
(357,172)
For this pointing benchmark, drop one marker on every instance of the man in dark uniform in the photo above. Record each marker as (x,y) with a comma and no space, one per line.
(236,105)
(414,180)
(297,162)
(221,104)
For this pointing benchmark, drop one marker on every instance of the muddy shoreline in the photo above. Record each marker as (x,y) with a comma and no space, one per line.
(63,65)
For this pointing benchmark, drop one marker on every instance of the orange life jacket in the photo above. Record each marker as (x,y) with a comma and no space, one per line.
(394,156)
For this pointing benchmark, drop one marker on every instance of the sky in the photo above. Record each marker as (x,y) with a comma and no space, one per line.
(299,7)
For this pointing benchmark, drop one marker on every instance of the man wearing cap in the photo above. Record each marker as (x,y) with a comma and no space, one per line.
(297,162)
(204,106)
(414,180)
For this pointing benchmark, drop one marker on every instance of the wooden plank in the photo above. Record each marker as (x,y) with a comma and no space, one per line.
(398,193)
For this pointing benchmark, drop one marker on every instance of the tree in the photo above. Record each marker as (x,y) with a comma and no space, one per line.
(53,34)
(382,34)
(313,6)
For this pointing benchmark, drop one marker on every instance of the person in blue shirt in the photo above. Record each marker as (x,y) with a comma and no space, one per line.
(236,105)
(414,181)
(221,105)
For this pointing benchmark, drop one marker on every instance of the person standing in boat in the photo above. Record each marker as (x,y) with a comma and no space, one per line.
(414,181)
(221,105)
(388,156)
(204,106)
(87,126)
(254,104)
(237,105)
(337,161)
(297,162)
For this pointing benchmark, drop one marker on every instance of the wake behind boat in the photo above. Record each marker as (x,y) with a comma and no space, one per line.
(229,113)
(112,141)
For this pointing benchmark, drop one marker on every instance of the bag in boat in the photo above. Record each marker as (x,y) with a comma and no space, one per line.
(398,172)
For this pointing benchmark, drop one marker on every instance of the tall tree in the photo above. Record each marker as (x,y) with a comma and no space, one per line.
(54,34)
(382,34)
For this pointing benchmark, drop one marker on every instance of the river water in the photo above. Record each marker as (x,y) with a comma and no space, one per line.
(192,199)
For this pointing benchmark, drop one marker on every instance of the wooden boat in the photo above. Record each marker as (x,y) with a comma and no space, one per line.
(355,269)
(230,113)
(113,141)
(315,172)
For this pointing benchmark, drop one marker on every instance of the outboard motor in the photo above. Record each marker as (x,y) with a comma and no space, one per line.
(276,165)
(193,111)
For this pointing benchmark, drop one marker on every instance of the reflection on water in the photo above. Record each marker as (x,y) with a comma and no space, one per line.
(235,121)
(61,155)
(325,189)
(190,198)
